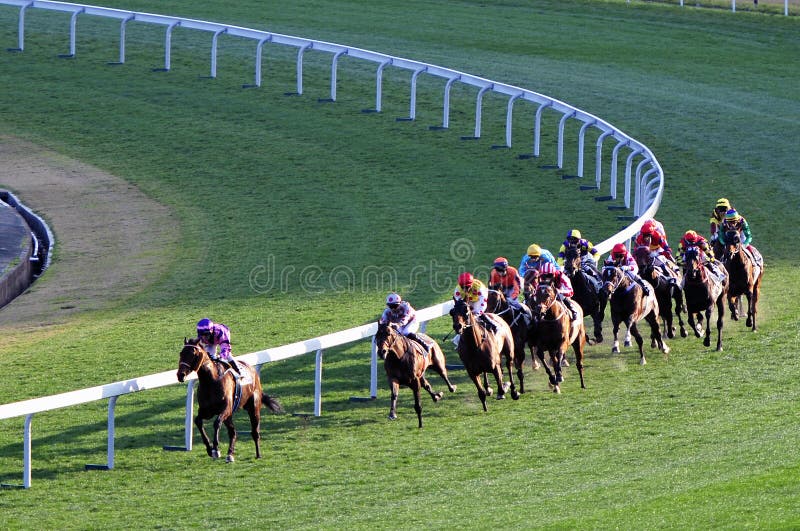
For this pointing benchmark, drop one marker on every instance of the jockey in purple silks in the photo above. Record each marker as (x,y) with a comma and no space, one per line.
(215,338)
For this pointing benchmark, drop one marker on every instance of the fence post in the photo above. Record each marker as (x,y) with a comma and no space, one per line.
(112,403)
(318,384)
(188,421)
(72,24)
(214,40)
(537,127)
(509,112)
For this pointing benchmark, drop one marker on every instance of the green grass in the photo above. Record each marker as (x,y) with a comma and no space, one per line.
(699,439)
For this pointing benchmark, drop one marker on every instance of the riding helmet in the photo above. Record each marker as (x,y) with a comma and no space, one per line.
(619,250)
(500,263)
(465,279)
(204,325)
(393,298)
(534,251)
(574,233)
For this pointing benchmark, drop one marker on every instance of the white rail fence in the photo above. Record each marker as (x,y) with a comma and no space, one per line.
(642,189)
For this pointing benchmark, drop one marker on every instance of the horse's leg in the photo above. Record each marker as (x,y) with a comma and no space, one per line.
(395,388)
(707,337)
(756,290)
(720,322)
(486,385)
(615,331)
(577,347)
(215,442)
(508,354)
(255,425)
(440,367)
(231,437)
(733,304)
(597,321)
(475,377)
(551,376)
(417,403)
(655,332)
(633,329)
(198,421)
(677,298)
(436,396)
(519,362)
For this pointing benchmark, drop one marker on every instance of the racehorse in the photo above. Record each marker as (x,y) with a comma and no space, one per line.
(630,305)
(499,305)
(745,272)
(702,290)
(405,362)
(556,332)
(586,293)
(218,394)
(667,288)
(482,351)
(529,285)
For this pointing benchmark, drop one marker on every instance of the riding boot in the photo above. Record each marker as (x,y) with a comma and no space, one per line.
(488,323)
(237,373)
(643,285)
(568,301)
(426,348)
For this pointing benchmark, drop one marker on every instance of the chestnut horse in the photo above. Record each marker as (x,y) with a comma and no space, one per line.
(702,290)
(586,293)
(482,351)
(556,331)
(630,305)
(745,271)
(667,287)
(405,362)
(217,395)
(520,329)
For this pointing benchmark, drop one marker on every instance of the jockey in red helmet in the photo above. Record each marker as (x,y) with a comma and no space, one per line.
(215,338)
(506,278)
(621,258)
(474,293)
(693,239)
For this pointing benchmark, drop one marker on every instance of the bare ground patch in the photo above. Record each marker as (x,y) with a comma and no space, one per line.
(111,239)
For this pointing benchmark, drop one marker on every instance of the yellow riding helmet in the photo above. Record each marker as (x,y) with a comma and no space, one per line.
(574,233)
(534,251)
(722,202)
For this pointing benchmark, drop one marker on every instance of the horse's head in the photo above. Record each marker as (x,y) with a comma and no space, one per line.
(642,256)
(733,242)
(384,338)
(461,315)
(612,278)
(543,299)
(496,301)
(572,261)
(693,269)
(191,358)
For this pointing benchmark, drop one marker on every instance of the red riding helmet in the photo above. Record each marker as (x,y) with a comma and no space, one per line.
(465,279)
(547,269)
(619,251)
(691,236)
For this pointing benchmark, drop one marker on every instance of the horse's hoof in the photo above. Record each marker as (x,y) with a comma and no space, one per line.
(453,388)
(719,349)
(615,350)
(514,395)
(707,343)
(489,391)
(684,333)
(557,390)
(392,416)
(214,454)
(665,349)
(506,386)
(671,334)
(437,396)
(564,362)
(230,459)
(642,361)
(749,322)
(627,343)
(501,396)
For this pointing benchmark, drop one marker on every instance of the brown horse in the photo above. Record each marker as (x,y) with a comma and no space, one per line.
(630,305)
(745,271)
(587,294)
(405,362)
(667,284)
(520,329)
(216,395)
(482,351)
(702,290)
(556,332)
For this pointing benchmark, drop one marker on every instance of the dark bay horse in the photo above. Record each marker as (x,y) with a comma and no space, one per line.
(586,293)
(702,290)
(556,332)
(482,351)
(667,287)
(499,305)
(745,271)
(216,396)
(630,305)
(405,362)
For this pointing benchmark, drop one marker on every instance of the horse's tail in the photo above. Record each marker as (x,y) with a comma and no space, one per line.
(271,403)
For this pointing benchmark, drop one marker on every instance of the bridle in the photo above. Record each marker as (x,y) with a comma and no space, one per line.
(545,306)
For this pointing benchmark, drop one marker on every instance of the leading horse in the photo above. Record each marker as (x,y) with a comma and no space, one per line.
(405,362)
(630,305)
(667,287)
(587,294)
(745,271)
(498,304)
(217,394)
(555,332)
(482,351)
(702,290)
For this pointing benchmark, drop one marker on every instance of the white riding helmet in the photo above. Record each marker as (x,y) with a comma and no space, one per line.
(393,298)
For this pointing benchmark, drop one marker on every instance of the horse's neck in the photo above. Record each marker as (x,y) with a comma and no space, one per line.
(209,371)
(401,346)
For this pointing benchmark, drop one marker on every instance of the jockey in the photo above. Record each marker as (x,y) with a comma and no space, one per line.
(584,246)
(404,316)
(653,236)
(718,216)
(534,257)
(474,293)
(215,338)
(621,258)
(693,239)
(506,278)
(548,274)
(735,222)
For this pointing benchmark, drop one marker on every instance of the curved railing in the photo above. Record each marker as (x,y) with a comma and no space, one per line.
(642,184)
